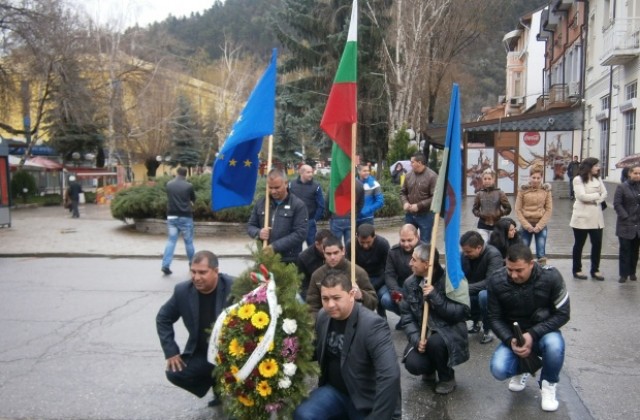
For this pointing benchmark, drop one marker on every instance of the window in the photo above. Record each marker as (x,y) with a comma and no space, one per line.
(604,102)
(630,132)
(631,91)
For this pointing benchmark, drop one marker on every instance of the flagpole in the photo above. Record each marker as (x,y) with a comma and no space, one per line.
(266,195)
(353,206)
(432,257)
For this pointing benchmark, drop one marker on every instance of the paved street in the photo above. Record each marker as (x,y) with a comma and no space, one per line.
(78,336)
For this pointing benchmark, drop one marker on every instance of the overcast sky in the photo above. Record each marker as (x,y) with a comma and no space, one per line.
(144,12)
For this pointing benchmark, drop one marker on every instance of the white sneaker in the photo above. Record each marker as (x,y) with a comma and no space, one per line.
(548,393)
(518,382)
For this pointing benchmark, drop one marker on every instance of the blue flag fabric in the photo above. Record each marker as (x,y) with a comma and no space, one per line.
(235,170)
(449,189)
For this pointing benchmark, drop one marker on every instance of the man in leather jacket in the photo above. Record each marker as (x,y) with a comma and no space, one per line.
(537,299)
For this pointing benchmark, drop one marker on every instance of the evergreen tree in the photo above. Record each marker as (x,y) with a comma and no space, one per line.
(73,122)
(185,136)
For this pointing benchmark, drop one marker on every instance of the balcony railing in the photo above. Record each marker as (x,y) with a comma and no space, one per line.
(621,42)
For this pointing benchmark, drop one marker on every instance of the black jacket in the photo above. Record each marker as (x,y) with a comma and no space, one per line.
(540,305)
(289,224)
(626,203)
(184,304)
(308,262)
(311,195)
(397,268)
(180,195)
(446,317)
(478,270)
(372,260)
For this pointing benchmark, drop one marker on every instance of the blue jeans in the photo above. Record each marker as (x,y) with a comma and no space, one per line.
(541,240)
(325,403)
(424,222)
(341,228)
(479,309)
(311,232)
(505,363)
(384,297)
(176,226)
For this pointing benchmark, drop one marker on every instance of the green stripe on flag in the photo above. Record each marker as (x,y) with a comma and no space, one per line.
(348,68)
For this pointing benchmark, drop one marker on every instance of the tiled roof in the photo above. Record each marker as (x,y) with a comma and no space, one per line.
(554,120)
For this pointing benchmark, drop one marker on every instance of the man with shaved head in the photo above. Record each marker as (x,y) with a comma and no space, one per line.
(310,192)
(397,269)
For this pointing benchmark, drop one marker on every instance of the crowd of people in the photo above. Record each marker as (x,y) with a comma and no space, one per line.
(360,374)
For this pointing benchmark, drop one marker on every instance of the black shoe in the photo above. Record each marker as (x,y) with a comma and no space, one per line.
(579,275)
(398,326)
(166,270)
(597,276)
(429,379)
(475,328)
(214,402)
(622,279)
(633,278)
(487,337)
(446,387)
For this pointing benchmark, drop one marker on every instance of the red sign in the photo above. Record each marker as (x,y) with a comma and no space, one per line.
(531,138)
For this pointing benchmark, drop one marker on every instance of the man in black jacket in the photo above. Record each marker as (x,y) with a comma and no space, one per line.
(73,192)
(397,268)
(198,302)
(310,192)
(359,372)
(479,262)
(537,299)
(180,199)
(311,259)
(287,219)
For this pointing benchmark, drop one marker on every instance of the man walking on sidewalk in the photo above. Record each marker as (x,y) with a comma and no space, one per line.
(180,199)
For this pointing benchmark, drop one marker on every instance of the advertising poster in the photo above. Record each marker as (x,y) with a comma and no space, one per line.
(531,146)
(506,170)
(558,155)
(477,161)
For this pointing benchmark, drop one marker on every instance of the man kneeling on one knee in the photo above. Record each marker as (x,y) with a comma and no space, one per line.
(537,299)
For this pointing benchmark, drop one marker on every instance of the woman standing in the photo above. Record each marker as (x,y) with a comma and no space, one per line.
(490,205)
(505,234)
(396,174)
(626,202)
(533,208)
(587,217)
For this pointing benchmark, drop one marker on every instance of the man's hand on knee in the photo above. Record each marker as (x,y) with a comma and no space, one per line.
(175,364)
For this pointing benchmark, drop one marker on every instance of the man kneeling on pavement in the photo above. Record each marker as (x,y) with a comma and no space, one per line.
(537,299)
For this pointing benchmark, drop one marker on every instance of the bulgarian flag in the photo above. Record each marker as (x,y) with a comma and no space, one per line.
(339,117)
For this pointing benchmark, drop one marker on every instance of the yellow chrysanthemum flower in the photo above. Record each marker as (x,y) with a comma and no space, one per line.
(226,320)
(246,401)
(268,368)
(234,369)
(247,311)
(263,389)
(235,348)
(260,320)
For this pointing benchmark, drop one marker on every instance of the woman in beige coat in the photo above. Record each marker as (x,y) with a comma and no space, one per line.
(587,217)
(533,209)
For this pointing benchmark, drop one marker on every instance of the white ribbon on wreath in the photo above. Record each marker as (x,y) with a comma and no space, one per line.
(261,349)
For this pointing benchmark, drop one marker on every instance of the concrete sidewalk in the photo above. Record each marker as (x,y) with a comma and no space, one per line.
(50,232)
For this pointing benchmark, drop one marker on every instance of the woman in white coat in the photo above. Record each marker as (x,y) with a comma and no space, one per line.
(587,217)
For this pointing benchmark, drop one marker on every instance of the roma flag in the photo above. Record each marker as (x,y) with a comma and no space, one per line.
(339,116)
(448,192)
(235,170)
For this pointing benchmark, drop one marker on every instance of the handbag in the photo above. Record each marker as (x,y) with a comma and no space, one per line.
(603,205)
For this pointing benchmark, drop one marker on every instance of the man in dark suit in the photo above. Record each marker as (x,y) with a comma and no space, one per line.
(199,303)
(359,376)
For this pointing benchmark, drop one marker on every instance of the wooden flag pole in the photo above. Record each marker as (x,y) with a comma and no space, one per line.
(266,195)
(432,257)
(353,205)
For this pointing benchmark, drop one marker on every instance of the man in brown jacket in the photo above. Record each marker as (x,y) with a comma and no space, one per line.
(416,195)
(336,261)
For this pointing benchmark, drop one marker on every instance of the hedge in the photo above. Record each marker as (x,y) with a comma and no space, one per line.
(150,201)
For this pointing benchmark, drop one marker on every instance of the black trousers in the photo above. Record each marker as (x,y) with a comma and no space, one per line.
(628,256)
(435,358)
(196,377)
(580,237)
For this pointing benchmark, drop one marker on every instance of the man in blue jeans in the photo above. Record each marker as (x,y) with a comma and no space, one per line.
(479,262)
(180,199)
(416,195)
(537,299)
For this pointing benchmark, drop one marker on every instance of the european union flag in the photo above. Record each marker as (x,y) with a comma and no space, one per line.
(235,170)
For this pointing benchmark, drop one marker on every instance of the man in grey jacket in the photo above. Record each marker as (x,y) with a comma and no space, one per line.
(360,376)
(288,221)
